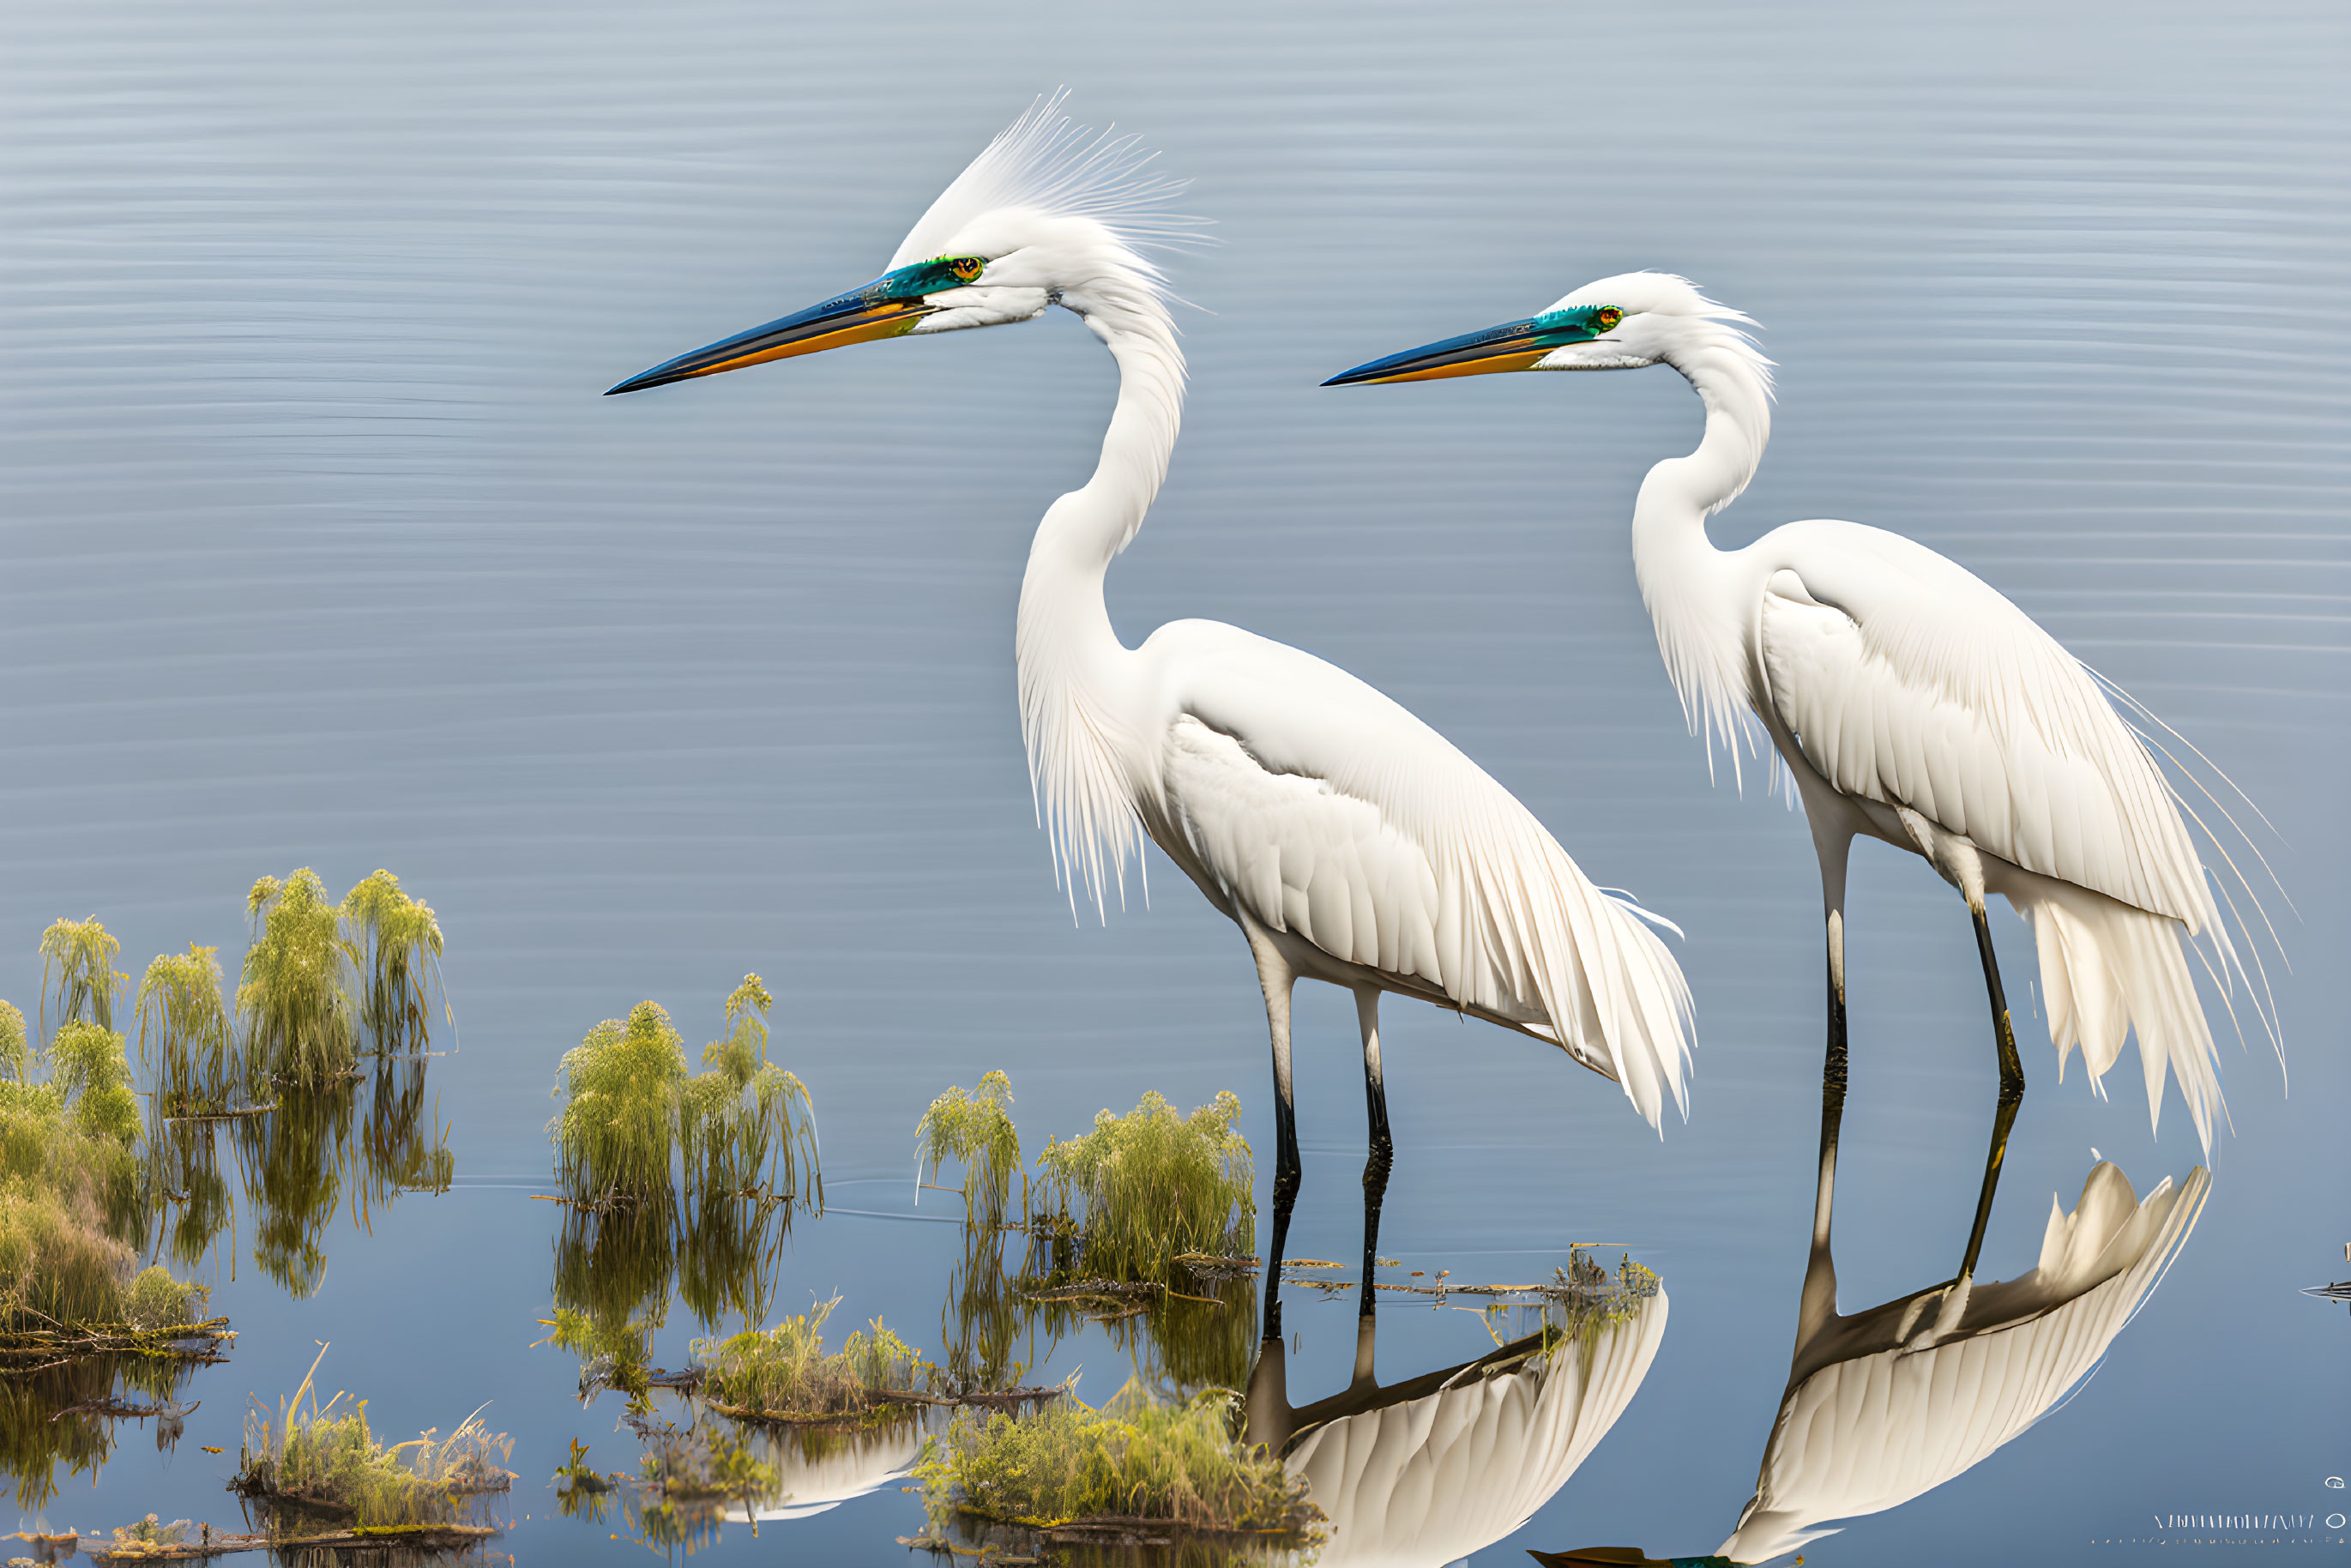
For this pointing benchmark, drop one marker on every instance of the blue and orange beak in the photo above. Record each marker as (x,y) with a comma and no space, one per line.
(888,306)
(1512,346)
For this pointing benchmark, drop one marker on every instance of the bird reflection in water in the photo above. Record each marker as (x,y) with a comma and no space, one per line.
(1428,1469)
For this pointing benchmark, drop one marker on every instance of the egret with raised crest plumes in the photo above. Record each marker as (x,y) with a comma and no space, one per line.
(1349,841)
(1909,702)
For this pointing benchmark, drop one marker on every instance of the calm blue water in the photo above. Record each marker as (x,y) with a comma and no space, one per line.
(319,548)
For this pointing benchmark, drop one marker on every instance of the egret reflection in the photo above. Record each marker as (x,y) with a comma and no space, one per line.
(1428,1469)
(1892,1402)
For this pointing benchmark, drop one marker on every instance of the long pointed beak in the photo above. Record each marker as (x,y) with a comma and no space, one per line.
(1512,346)
(860,316)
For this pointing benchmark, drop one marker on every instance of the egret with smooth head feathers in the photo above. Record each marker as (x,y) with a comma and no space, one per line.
(1910,703)
(1349,842)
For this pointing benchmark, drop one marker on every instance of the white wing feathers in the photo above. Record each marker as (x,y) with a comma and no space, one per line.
(1909,681)
(1906,680)
(1330,812)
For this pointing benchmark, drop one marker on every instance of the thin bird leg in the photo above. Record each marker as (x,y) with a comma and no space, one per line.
(1383,1152)
(1818,1302)
(2012,1087)
(1275,978)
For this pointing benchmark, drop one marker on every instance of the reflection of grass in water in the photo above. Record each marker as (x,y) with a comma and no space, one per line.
(80,955)
(1143,1188)
(1135,1458)
(397,951)
(295,994)
(975,1130)
(613,1273)
(783,1373)
(325,1459)
(184,1038)
(56,1415)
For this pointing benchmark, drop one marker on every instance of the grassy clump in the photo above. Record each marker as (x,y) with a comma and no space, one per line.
(157,1300)
(325,1459)
(745,1127)
(296,993)
(618,1129)
(184,1037)
(396,945)
(783,1373)
(77,970)
(1134,1459)
(1143,1188)
(69,1190)
(975,1130)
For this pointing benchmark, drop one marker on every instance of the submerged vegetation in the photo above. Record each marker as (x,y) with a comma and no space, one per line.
(1135,1459)
(309,1463)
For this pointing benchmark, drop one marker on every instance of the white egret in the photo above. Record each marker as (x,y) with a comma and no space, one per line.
(1909,702)
(1349,842)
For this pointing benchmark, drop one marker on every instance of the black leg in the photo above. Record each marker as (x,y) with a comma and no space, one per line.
(2011,1091)
(1275,978)
(1381,1152)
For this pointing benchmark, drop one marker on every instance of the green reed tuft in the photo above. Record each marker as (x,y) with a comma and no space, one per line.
(1143,1188)
(783,1373)
(77,971)
(975,1130)
(309,1457)
(296,996)
(745,1126)
(184,1035)
(70,1194)
(396,943)
(620,1088)
(1134,1459)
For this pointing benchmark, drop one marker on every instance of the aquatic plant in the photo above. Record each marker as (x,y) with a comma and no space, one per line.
(77,970)
(1133,1460)
(975,1130)
(783,1373)
(621,1086)
(69,1195)
(396,946)
(745,1126)
(295,994)
(311,1458)
(16,1059)
(1143,1188)
(157,1300)
(184,1037)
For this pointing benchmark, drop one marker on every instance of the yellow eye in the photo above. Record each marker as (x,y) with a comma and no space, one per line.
(968,268)
(1609,317)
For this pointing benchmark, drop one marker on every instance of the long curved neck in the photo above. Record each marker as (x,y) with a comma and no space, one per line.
(1071,666)
(1689,585)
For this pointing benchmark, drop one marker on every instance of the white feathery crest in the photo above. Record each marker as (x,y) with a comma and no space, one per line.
(1045,161)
